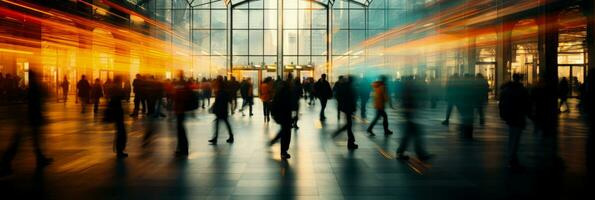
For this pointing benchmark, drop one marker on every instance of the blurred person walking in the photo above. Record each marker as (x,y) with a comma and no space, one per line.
(412,97)
(514,107)
(138,89)
(296,95)
(281,111)
(34,120)
(337,94)
(83,92)
(233,86)
(247,93)
(65,85)
(563,93)
(266,95)
(381,98)
(466,103)
(115,113)
(363,93)
(452,90)
(347,95)
(221,111)
(96,94)
(483,90)
(207,92)
(183,101)
(322,90)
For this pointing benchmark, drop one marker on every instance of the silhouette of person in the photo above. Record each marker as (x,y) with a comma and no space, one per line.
(322,90)
(138,89)
(183,91)
(83,91)
(466,101)
(381,98)
(115,113)
(233,86)
(434,90)
(347,95)
(266,95)
(96,94)
(127,90)
(337,94)
(281,112)
(246,90)
(364,91)
(452,90)
(412,97)
(482,91)
(207,92)
(65,85)
(221,111)
(296,94)
(514,107)
(563,93)
(34,120)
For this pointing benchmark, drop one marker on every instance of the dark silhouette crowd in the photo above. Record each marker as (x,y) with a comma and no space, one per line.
(155,98)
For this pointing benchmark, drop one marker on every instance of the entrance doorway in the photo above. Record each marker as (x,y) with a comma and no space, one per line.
(575,74)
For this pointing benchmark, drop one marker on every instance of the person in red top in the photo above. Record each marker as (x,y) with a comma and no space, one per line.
(266,95)
(380,99)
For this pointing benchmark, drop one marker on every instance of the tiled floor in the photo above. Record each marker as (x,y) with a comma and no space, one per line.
(320,168)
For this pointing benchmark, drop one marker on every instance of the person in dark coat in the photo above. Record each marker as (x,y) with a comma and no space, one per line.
(65,85)
(116,114)
(296,94)
(322,90)
(83,92)
(411,98)
(139,96)
(363,93)
(514,108)
(221,111)
(281,112)
(563,93)
(232,86)
(96,94)
(33,120)
(182,90)
(246,90)
(466,101)
(348,100)
(452,90)
(337,94)
(483,89)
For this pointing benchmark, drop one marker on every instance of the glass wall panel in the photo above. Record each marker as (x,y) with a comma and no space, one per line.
(256,42)
(240,19)
(256,19)
(202,19)
(240,42)
(219,19)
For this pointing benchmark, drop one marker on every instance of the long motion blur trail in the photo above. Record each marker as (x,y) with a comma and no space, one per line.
(68,31)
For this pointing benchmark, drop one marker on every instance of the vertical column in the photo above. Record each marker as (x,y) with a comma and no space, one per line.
(471,54)
(329,40)
(588,10)
(280,38)
(503,50)
(229,40)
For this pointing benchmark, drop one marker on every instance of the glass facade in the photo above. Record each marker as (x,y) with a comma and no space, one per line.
(305,38)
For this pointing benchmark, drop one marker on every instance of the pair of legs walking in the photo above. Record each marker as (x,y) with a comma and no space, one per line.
(285,136)
(348,127)
(380,113)
(226,121)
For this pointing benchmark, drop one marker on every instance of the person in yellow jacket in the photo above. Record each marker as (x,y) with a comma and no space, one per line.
(381,98)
